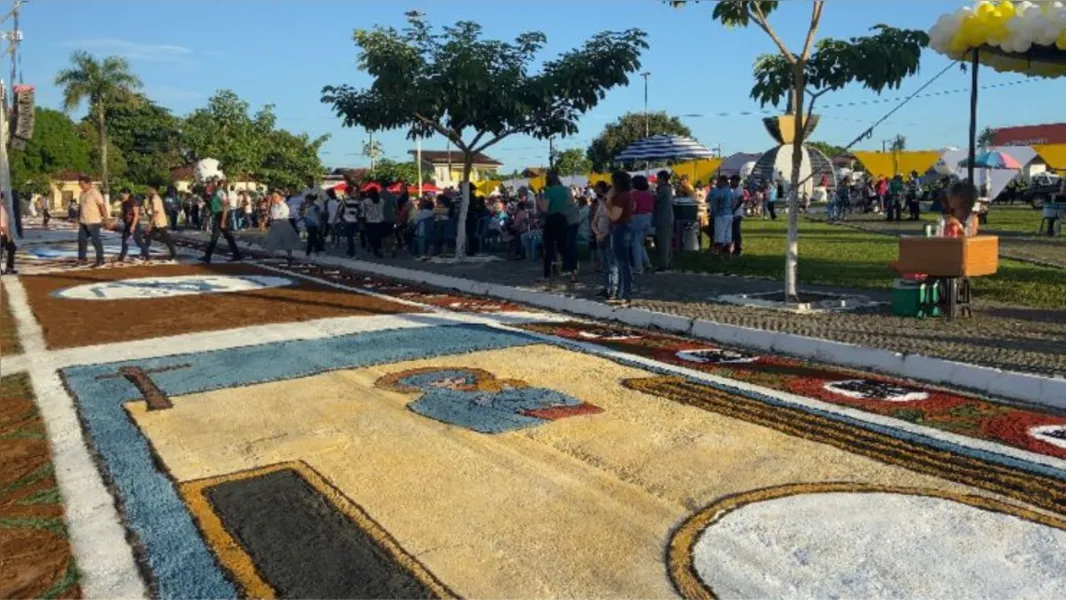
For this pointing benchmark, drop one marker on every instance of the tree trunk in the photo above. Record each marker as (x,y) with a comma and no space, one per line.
(104,186)
(792,251)
(464,206)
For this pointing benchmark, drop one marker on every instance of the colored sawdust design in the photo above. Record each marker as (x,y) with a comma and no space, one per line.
(380,285)
(35,555)
(284,531)
(681,561)
(71,322)
(477,400)
(9,337)
(1033,488)
(946,411)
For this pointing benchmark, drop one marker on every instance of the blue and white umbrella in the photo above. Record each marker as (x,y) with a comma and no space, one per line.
(664,147)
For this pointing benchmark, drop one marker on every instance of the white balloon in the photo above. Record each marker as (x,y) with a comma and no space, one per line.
(945,22)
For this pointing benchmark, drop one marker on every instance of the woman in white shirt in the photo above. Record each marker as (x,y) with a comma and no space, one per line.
(281,235)
(374,213)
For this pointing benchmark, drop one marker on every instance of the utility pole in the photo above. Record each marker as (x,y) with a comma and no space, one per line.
(372,149)
(551,152)
(418,161)
(647,122)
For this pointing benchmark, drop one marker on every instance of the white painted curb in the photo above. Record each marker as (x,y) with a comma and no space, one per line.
(1034,389)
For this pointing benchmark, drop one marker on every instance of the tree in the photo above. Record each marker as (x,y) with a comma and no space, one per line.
(372,150)
(390,171)
(572,162)
(628,129)
(899,143)
(986,138)
(476,92)
(290,160)
(56,146)
(878,62)
(224,131)
(148,138)
(102,84)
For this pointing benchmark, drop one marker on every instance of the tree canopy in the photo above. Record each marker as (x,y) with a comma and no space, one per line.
(56,146)
(628,129)
(572,162)
(390,170)
(476,92)
(146,137)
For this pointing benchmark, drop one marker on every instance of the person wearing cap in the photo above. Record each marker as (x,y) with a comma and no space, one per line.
(131,224)
(92,210)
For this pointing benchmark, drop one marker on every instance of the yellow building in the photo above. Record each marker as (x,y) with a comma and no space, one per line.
(64,190)
(446,167)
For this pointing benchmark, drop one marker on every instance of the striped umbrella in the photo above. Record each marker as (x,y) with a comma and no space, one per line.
(664,147)
(992,160)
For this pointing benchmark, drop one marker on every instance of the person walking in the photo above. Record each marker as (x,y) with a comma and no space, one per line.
(620,210)
(219,224)
(92,211)
(281,235)
(553,203)
(159,224)
(664,220)
(312,215)
(131,224)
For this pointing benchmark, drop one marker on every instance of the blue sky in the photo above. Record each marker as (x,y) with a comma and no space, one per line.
(283,51)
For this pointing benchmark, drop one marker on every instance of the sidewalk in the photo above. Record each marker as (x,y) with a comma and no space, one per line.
(1005,337)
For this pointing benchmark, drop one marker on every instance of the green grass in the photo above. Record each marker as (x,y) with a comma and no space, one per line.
(844,257)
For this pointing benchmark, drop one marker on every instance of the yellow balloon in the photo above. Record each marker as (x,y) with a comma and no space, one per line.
(1006,9)
(1061,42)
(984,9)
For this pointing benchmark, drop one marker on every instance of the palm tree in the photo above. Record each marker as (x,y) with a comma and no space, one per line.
(102,83)
(899,143)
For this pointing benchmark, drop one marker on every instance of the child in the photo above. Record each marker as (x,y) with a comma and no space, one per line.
(959,220)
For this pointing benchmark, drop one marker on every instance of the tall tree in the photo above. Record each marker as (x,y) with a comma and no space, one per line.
(628,129)
(878,62)
(56,146)
(390,170)
(453,83)
(225,131)
(101,83)
(986,138)
(290,160)
(899,143)
(572,162)
(148,138)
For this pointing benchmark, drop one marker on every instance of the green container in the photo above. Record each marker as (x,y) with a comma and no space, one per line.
(915,299)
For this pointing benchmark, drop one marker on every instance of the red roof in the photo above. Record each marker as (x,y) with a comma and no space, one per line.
(1028,135)
(438,157)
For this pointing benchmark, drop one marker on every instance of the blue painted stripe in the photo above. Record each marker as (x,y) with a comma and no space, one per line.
(180,561)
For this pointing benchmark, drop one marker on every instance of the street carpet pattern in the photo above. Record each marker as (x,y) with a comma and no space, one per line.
(379,285)
(83,307)
(35,555)
(1031,430)
(475,461)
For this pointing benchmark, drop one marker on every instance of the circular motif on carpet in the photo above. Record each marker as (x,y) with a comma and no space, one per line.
(869,389)
(169,287)
(850,540)
(62,252)
(716,356)
(1052,434)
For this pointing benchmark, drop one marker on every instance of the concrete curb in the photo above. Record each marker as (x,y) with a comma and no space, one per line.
(1024,387)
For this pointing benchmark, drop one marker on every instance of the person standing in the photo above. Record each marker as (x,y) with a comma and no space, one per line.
(554,202)
(295,202)
(388,219)
(721,205)
(895,198)
(664,220)
(281,235)
(349,219)
(220,209)
(92,210)
(7,240)
(739,200)
(159,224)
(131,224)
(374,214)
(621,211)
(771,200)
(640,222)
(172,203)
(601,230)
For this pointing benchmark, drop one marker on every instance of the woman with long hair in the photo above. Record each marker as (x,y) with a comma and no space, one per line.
(620,210)
(640,223)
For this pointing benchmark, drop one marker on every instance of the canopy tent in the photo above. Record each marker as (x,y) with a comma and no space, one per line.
(1053,154)
(734,163)
(1025,38)
(664,147)
(888,164)
(697,170)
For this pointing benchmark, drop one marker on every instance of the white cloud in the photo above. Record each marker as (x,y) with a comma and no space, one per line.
(132,50)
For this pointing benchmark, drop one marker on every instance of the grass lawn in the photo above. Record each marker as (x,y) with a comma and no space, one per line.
(9,339)
(844,257)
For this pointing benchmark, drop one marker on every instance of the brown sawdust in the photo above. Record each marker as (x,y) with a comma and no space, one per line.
(9,339)
(69,323)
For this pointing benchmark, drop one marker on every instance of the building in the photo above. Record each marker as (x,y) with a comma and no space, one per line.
(64,189)
(446,167)
(1030,135)
(182,178)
